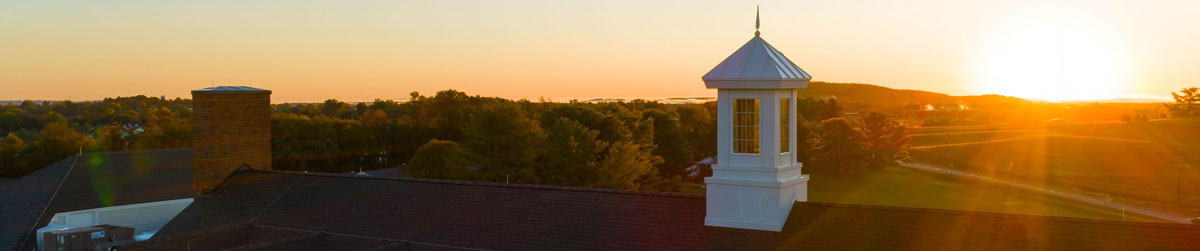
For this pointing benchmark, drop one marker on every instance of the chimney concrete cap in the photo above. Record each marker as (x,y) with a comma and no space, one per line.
(231,89)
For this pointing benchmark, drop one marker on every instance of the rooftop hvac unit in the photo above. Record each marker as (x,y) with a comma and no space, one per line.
(98,237)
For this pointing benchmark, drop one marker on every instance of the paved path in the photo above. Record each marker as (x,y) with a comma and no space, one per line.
(970,143)
(1068,195)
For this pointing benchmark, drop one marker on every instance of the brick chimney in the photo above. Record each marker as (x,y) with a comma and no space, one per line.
(232,127)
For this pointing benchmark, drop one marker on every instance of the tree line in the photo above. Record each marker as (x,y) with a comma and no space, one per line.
(37,134)
(634,145)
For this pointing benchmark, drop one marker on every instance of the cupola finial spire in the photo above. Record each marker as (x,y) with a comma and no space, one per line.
(756,22)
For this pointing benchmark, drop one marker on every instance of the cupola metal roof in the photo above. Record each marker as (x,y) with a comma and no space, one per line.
(757,65)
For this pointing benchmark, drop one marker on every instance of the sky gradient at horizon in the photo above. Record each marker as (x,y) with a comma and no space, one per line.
(308,51)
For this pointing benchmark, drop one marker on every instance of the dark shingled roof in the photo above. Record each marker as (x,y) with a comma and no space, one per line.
(96,180)
(249,237)
(348,212)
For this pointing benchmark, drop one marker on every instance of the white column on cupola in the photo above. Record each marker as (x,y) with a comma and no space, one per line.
(756,179)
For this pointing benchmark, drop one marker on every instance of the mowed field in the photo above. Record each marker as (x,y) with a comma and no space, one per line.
(906,187)
(1153,164)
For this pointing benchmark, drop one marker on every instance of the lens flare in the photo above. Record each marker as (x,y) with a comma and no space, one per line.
(1053,53)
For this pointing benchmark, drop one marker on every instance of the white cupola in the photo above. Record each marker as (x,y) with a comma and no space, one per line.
(757,178)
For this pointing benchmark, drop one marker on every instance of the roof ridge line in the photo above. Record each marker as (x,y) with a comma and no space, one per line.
(802,73)
(46,205)
(490,184)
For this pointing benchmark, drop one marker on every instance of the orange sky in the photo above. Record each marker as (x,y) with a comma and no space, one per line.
(307,51)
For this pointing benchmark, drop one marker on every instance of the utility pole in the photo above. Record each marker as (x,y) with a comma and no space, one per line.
(1179,185)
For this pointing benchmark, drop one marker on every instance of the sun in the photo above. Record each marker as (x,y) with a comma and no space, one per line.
(1054,53)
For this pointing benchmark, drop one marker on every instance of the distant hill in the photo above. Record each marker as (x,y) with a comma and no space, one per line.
(878,95)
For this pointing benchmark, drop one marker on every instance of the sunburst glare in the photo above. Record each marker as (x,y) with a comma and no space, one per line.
(1052,53)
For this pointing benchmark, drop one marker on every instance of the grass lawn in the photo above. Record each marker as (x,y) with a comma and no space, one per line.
(1153,164)
(897,186)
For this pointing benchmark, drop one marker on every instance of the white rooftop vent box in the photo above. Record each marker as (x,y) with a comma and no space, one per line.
(98,237)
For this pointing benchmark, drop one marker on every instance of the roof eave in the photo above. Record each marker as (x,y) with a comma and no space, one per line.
(790,83)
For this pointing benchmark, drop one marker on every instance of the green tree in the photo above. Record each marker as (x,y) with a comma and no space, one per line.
(333,107)
(571,152)
(609,127)
(1186,104)
(817,109)
(700,128)
(839,148)
(670,143)
(10,121)
(503,140)
(886,140)
(805,133)
(449,113)
(625,165)
(376,122)
(439,159)
(300,142)
(50,118)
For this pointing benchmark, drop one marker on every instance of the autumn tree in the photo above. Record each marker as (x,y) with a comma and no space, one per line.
(59,140)
(10,148)
(164,128)
(111,137)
